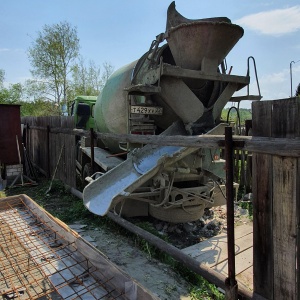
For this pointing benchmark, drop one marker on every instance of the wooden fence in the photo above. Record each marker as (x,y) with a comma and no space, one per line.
(52,152)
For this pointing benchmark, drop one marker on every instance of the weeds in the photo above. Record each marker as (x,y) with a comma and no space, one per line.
(245,204)
(201,288)
(169,289)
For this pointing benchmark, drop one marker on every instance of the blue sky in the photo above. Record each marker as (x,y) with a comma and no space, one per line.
(119,32)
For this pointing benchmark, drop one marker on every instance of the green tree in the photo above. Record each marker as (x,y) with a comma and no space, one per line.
(38,108)
(36,89)
(3,91)
(89,79)
(2,76)
(12,94)
(16,93)
(51,56)
(244,114)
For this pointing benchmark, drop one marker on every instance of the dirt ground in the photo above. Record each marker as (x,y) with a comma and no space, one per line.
(159,278)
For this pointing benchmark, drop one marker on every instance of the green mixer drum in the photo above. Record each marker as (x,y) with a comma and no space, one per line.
(111,109)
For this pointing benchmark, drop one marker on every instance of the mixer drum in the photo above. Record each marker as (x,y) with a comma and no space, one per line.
(199,45)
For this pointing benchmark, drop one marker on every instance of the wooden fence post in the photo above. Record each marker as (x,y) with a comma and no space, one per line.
(231,291)
(275,203)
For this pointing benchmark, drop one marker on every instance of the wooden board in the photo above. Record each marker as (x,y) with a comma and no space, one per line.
(262,204)
(213,253)
(284,227)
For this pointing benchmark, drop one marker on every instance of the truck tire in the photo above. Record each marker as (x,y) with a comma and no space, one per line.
(178,214)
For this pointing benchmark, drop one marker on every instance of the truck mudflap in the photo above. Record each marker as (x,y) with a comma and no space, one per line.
(144,163)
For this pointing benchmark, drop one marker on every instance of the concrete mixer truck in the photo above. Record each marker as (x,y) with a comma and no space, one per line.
(178,87)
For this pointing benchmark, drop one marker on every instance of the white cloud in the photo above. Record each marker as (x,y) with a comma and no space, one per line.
(16,50)
(275,78)
(274,22)
(278,85)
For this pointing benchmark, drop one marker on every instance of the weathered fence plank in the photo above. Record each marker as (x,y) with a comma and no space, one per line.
(285,124)
(262,205)
(258,144)
(285,118)
(276,203)
(284,227)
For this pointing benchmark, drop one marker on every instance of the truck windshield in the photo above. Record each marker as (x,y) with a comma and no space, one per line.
(83,114)
(83,109)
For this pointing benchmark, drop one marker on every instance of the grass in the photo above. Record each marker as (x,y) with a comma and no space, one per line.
(68,208)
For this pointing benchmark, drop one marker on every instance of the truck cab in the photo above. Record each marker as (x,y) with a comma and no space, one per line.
(84,118)
(83,112)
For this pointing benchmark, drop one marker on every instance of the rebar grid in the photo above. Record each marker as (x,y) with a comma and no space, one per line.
(37,262)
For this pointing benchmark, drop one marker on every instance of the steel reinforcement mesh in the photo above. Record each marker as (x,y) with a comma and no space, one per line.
(37,263)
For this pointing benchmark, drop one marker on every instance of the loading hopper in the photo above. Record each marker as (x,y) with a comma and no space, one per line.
(200,44)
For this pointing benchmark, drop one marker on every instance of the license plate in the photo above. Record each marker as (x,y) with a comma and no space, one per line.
(147,110)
